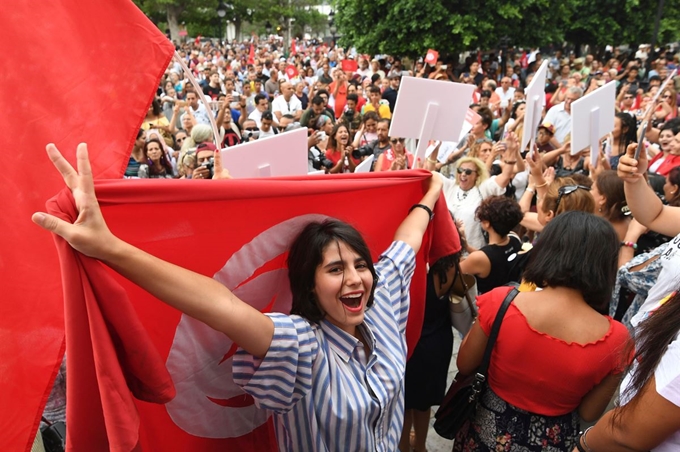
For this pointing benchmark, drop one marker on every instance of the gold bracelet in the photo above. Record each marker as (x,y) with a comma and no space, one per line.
(433,161)
(541,186)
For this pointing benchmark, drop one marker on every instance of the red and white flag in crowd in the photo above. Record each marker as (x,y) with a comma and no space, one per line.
(291,71)
(293,48)
(78,92)
(83,96)
(431,57)
(349,66)
(251,54)
(123,342)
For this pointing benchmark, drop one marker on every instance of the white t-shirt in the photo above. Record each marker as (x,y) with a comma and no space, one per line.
(256,116)
(667,281)
(667,374)
(286,107)
(667,379)
(561,120)
(464,204)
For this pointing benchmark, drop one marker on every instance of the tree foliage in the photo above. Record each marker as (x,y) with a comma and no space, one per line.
(200,16)
(410,27)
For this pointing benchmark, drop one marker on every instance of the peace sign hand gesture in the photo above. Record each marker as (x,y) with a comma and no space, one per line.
(89,234)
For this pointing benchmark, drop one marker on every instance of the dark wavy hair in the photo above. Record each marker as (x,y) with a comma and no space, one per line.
(653,336)
(332,142)
(515,106)
(674,178)
(580,251)
(628,132)
(306,254)
(156,107)
(502,213)
(610,185)
(164,158)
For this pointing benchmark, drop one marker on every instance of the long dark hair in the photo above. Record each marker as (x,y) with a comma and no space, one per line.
(674,178)
(332,141)
(628,132)
(306,254)
(654,334)
(164,158)
(610,185)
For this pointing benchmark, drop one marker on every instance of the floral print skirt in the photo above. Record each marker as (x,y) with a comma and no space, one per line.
(501,427)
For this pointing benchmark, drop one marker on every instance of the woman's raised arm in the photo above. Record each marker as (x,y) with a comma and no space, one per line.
(196,295)
(411,230)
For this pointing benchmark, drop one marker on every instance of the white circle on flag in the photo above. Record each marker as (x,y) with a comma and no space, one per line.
(208,403)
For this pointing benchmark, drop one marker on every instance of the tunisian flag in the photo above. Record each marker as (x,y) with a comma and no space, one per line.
(122,342)
(74,71)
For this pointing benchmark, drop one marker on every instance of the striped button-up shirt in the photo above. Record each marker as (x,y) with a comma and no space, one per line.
(325,394)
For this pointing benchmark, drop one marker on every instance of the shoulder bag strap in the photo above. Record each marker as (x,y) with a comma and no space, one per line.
(466,295)
(484,367)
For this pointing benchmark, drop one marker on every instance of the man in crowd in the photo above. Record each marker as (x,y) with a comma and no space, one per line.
(271,87)
(505,93)
(390,94)
(267,129)
(213,89)
(261,105)
(378,146)
(317,109)
(199,111)
(374,104)
(560,115)
(287,103)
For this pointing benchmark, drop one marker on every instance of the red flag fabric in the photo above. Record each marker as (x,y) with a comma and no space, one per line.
(293,49)
(431,57)
(238,232)
(64,85)
(524,59)
(251,54)
(291,71)
(349,66)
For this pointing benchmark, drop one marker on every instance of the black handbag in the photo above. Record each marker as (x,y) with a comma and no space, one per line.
(460,402)
(54,436)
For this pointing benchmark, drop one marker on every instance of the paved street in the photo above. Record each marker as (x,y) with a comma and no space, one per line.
(436,443)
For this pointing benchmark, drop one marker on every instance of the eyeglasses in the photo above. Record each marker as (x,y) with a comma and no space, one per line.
(467,171)
(394,140)
(666,96)
(567,189)
(627,97)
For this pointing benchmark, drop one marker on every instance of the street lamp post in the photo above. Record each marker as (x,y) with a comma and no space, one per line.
(331,25)
(221,14)
(268,28)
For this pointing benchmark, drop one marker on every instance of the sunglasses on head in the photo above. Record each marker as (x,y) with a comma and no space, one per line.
(394,140)
(467,171)
(567,189)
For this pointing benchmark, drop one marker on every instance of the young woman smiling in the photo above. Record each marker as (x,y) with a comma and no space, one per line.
(332,371)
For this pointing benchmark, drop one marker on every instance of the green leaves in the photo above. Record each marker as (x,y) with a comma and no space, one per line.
(410,27)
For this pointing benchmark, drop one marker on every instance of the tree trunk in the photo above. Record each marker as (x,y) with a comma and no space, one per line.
(173,12)
(237,30)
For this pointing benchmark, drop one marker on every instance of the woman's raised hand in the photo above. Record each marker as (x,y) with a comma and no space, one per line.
(629,169)
(89,234)
(219,171)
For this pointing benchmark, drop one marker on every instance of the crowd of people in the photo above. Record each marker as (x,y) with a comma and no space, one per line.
(594,249)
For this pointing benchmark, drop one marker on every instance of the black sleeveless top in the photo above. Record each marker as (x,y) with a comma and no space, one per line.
(501,258)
